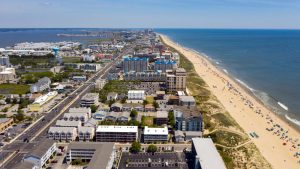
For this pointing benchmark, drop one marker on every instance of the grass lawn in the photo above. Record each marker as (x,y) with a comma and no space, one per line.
(14,89)
(150,99)
(148,120)
(71,59)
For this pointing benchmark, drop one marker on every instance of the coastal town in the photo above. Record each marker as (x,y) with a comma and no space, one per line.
(131,99)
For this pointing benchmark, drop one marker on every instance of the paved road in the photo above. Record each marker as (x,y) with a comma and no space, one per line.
(38,131)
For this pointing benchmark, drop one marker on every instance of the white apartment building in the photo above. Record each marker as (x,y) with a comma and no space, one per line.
(64,123)
(86,133)
(89,99)
(136,95)
(62,133)
(41,85)
(86,110)
(7,74)
(155,134)
(83,117)
(99,155)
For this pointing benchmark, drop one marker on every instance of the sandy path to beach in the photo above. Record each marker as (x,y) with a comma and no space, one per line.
(250,114)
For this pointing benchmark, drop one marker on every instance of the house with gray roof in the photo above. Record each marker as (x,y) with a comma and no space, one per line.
(64,123)
(112,96)
(86,133)
(62,133)
(40,154)
(116,107)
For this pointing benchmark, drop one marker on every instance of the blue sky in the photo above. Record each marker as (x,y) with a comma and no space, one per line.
(151,13)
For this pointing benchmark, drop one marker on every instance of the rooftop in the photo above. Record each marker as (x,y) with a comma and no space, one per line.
(80,110)
(207,153)
(61,129)
(114,129)
(155,131)
(187,98)
(64,123)
(101,156)
(90,96)
(42,148)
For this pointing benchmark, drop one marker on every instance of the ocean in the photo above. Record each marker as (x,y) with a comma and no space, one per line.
(267,62)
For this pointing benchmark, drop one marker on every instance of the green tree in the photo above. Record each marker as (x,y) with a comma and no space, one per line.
(133,123)
(94,108)
(155,105)
(111,102)
(123,100)
(7,100)
(145,102)
(133,114)
(20,115)
(135,147)
(15,101)
(151,149)
(171,119)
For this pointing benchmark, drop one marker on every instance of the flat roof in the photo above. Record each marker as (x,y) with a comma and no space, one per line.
(136,91)
(41,149)
(61,129)
(187,98)
(115,129)
(209,158)
(64,123)
(155,131)
(101,156)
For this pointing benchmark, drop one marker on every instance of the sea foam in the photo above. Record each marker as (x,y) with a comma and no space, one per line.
(244,84)
(295,121)
(283,106)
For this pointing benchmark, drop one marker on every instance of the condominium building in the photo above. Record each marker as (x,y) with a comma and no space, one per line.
(164,65)
(187,118)
(136,95)
(40,155)
(62,133)
(155,134)
(145,76)
(89,99)
(86,110)
(64,123)
(187,101)
(205,154)
(83,117)
(7,74)
(4,60)
(176,80)
(100,83)
(135,64)
(41,85)
(86,133)
(98,155)
(161,118)
(116,133)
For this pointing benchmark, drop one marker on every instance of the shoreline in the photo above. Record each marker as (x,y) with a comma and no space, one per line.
(247,109)
(291,121)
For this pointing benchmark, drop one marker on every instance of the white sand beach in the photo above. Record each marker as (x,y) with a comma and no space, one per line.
(277,141)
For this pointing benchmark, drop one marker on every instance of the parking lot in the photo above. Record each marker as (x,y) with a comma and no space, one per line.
(12,132)
(156,160)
